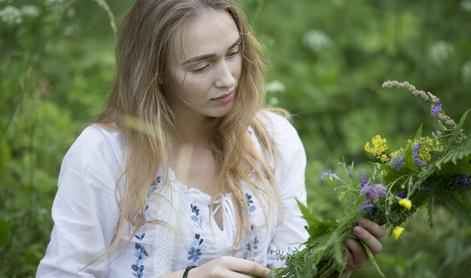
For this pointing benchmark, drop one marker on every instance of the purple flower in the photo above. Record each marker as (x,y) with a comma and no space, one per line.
(397,163)
(436,108)
(363,180)
(374,191)
(366,207)
(415,152)
(328,174)
(463,181)
(402,194)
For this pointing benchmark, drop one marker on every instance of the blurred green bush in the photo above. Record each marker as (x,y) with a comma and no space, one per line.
(326,62)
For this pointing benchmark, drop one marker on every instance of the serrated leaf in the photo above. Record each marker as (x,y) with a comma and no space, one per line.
(316,226)
(463,119)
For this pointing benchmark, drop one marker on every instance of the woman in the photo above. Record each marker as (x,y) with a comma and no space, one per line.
(184,169)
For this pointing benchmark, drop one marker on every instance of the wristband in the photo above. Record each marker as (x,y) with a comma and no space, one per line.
(187,269)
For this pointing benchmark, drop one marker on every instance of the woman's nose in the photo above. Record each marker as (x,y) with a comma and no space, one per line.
(224,78)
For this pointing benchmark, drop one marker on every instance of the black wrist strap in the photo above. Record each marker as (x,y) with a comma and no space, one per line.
(187,269)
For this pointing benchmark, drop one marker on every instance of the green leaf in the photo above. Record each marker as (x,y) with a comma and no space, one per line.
(430,212)
(419,131)
(371,257)
(463,119)
(316,226)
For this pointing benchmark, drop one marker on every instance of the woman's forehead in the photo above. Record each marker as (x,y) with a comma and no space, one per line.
(212,32)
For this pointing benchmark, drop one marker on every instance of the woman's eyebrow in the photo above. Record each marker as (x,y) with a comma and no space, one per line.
(206,56)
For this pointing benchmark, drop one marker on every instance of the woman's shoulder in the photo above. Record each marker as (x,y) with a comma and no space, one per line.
(96,147)
(279,127)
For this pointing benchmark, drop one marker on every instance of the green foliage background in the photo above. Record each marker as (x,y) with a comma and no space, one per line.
(326,62)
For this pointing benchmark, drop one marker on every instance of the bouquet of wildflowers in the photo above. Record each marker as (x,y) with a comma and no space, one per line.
(425,171)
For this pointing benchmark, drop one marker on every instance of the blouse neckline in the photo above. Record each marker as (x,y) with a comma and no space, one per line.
(203,196)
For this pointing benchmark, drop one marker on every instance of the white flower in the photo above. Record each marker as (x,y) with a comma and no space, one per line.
(53,2)
(440,51)
(273,101)
(466,6)
(317,40)
(275,87)
(30,11)
(10,15)
(466,71)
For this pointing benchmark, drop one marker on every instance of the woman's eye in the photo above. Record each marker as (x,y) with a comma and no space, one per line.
(233,53)
(200,69)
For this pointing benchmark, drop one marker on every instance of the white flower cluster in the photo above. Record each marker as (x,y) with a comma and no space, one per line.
(53,2)
(440,51)
(275,87)
(466,5)
(317,40)
(466,71)
(12,15)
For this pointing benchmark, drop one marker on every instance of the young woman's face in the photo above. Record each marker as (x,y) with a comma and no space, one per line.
(205,66)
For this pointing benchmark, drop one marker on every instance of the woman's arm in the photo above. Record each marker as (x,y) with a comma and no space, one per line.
(229,267)
(84,210)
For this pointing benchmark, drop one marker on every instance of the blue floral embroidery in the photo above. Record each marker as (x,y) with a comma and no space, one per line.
(251,247)
(250,202)
(196,217)
(155,184)
(194,254)
(141,254)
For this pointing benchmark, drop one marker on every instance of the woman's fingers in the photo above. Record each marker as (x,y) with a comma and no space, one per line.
(231,274)
(371,241)
(350,262)
(359,256)
(368,232)
(245,266)
(373,228)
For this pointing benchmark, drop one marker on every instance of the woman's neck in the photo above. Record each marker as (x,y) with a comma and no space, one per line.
(191,130)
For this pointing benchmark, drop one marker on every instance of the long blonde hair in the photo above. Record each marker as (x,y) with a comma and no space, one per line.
(143,47)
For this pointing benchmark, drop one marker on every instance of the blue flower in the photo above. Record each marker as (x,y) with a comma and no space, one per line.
(331,175)
(436,108)
(415,153)
(363,180)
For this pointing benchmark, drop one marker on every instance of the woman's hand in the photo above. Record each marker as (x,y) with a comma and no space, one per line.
(229,267)
(370,233)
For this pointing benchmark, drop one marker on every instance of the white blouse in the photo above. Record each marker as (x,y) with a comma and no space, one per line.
(85,213)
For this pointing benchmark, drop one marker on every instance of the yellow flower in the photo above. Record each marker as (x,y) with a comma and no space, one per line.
(394,153)
(427,146)
(397,232)
(405,203)
(378,147)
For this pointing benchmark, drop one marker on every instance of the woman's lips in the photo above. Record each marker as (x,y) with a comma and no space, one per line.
(225,98)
